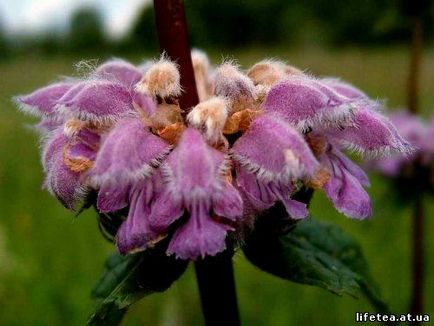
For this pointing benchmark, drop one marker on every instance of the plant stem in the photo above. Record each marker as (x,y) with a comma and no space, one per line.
(415,61)
(214,274)
(418,216)
(418,256)
(173,38)
(215,277)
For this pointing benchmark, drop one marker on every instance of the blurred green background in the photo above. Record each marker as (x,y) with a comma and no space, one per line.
(49,259)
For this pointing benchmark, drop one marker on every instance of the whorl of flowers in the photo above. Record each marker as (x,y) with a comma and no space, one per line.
(254,139)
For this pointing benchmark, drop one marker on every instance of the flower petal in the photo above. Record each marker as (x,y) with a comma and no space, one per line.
(47,125)
(231,83)
(43,101)
(262,195)
(306,103)
(345,191)
(372,134)
(344,88)
(129,154)
(144,104)
(119,71)
(112,198)
(287,155)
(60,180)
(193,165)
(210,116)
(350,166)
(65,184)
(295,209)
(228,202)
(98,102)
(199,237)
(269,72)
(165,211)
(134,233)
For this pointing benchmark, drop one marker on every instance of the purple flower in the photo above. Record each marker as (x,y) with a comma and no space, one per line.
(268,176)
(122,173)
(335,116)
(200,178)
(196,184)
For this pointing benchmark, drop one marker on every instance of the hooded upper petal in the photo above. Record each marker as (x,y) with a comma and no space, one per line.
(274,150)
(43,100)
(129,154)
(344,88)
(119,71)
(306,103)
(97,102)
(372,134)
(415,131)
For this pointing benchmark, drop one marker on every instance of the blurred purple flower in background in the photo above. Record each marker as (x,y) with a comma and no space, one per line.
(421,136)
(255,138)
(413,174)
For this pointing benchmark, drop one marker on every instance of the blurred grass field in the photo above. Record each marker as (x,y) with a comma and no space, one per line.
(49,260)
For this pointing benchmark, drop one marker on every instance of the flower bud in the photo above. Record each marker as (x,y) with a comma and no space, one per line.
(234,85)
(161,79)
(201,67)
(210,116)
(269,72)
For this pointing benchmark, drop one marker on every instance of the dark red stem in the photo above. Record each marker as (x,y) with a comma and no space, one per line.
(418,218)
(215,275)
(173,37)
(418,215)
(415,62)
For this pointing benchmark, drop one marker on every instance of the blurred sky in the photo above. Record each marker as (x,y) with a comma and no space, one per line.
(37,16)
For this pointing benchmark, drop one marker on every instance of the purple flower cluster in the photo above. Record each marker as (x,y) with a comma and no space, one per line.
(254,139)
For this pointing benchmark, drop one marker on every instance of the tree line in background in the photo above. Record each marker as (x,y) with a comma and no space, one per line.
(238,23)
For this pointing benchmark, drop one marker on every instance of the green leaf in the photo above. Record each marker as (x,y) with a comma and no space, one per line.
(314,253)
(127,279)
